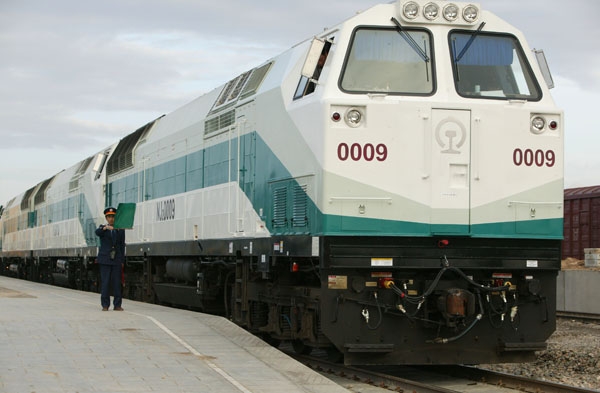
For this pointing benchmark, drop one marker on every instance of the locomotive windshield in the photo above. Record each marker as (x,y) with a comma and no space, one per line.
(491,66)
(384,61)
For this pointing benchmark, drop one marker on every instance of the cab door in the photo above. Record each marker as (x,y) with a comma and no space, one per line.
(450,171)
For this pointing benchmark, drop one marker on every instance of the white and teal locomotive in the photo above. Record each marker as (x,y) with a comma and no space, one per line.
(390,190)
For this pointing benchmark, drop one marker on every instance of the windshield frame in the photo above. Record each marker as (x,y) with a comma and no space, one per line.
(529,77)
(430,64)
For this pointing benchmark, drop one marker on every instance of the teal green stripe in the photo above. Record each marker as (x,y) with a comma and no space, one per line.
(547,228)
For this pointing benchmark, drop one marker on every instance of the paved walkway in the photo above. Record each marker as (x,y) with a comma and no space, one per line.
(58,340)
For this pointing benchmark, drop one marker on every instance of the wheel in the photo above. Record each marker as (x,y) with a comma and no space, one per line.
(333,355)
(301,348)
(274,342)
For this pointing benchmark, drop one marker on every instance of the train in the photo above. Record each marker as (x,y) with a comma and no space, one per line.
(581,230)
(387,191)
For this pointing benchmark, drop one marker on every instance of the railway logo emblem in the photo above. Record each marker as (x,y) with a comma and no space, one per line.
(446,134)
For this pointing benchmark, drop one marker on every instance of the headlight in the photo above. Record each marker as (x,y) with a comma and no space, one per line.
(537,124)
(353,117)
(470,13)
(410,10)
(431,11)
(450,12)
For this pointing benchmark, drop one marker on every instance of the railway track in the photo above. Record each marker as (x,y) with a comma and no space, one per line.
(430,379)
(584,317)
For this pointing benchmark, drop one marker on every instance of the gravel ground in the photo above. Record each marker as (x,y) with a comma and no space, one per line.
(572,357)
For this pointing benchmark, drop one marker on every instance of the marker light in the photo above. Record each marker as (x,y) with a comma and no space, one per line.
(470,13)
(336,116)
(537,124)
(450,12)
(431,11)
(353,117)
(410,10)
(553,125)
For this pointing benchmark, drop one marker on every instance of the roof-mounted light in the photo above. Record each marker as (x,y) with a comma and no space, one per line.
(470,13)
(431,11)
(450,12)
(410,10)
(428,11)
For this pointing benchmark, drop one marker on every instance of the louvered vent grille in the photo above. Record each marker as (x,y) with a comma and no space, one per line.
(238,87)
(279,207)
(25,200)
(299,207)
(255,80)
(73,184)
(219,122)
(122,158)
(40,196)
(232,90)
(83,165)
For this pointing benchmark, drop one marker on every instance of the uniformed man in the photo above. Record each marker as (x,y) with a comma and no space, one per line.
(111,257)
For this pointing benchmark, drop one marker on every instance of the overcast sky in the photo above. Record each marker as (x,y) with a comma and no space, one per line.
(76,76)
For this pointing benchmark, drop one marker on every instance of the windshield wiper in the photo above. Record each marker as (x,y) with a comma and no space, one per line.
(411,41)
(468,44)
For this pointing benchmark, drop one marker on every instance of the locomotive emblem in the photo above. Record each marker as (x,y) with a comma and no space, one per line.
(446,134)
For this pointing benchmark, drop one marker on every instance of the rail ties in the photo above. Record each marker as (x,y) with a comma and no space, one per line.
(432,379)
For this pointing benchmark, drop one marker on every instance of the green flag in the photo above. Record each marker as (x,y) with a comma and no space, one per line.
(125,216)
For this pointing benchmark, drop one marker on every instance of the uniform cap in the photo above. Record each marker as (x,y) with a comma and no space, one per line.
(110,211)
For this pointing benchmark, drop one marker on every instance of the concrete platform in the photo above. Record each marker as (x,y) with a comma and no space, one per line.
(58,340)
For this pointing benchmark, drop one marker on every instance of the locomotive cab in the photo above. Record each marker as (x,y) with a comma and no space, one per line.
(442,178)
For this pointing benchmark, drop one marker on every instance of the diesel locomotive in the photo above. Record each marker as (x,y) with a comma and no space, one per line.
(389,190)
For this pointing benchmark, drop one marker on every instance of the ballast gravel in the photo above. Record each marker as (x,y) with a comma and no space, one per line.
(572,357)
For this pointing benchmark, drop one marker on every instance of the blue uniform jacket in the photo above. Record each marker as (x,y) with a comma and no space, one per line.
(109,240)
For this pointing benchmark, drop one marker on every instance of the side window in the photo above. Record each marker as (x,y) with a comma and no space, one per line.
(313,66)
(99,164)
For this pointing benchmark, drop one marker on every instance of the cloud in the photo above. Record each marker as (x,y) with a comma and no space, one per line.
(582,161)
(58,70)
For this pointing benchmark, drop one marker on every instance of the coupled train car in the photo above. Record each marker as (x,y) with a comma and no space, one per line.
(389,190)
